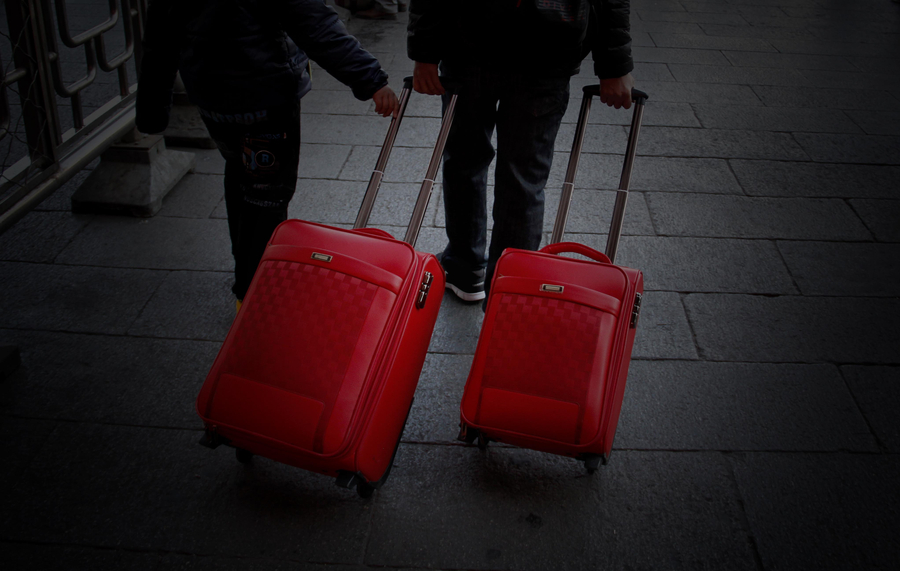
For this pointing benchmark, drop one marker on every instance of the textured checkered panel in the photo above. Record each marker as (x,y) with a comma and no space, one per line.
(543,347)
(300,329)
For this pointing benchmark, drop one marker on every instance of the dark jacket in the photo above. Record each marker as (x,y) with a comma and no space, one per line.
(238,56)
(544,37)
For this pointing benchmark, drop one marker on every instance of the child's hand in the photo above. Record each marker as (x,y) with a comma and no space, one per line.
(386,102)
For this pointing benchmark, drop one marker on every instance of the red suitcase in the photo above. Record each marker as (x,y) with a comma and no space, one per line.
(553,354)
(320,365)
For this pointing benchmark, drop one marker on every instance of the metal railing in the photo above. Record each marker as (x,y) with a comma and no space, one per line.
(37,80)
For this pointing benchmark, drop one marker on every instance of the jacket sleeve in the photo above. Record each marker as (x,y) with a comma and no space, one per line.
(159,64)
(426,30)
(317,30)
(611,38)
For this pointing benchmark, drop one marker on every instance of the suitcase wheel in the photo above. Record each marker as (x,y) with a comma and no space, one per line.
(483,441)
(365,489)
(592,462)
(467,434)
(243,456)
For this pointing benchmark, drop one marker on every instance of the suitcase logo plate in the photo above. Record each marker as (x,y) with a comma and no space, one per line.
(552,288)
(321,257)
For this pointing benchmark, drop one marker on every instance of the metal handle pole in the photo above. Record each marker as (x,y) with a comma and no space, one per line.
(415,223)
(365,210)
(562,214)
(615,229)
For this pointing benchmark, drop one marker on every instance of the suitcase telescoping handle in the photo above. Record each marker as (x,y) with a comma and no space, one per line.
(615,230)
(415,223)
(365,210)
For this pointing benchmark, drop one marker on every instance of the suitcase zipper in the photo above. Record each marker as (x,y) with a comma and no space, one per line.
(424,288)
(636,310)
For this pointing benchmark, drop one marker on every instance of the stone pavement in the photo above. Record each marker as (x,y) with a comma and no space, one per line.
(759,429)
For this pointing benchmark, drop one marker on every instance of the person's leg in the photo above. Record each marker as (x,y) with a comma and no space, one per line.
(528,119)
(261,161)
(467,156)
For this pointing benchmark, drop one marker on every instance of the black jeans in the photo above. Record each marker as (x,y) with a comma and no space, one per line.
(262,152)
(526,112)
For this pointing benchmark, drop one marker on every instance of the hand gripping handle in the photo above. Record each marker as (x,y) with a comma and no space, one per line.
(575,248)
(559,228)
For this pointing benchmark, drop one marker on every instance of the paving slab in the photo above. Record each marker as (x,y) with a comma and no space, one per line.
(866,80)
(763,31)
(154,243)
(690,17)
(320,161)
(731,75)
(55,229)
(158,490)
(685,405)
(209,161)
(599,139)
(22,440)
(866,149)
(677,55)
(783,119)
(590,212)
(454,507)
(335,202)
(707,264)
(195,196)
(663,331)
(407,164)
(434,417)
(793,179)
(666,27)
(821,511)
(823,98)
(786,61)
(791,329)
(709,7)
(189,305)
(833,48)
(657,113)
(61,199)
(877,390)
(702,41)
(880,217)
(723,94)
(186,562)
(105,378)
(684,214)
(876,122)
(655,173)
(338,129)
(75,558)
(334,102)
(662,6)
(837,269)
(873,64)
(457,327)
(68,298)
(721,144)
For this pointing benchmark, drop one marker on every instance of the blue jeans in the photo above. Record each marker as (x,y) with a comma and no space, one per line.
(526,111)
